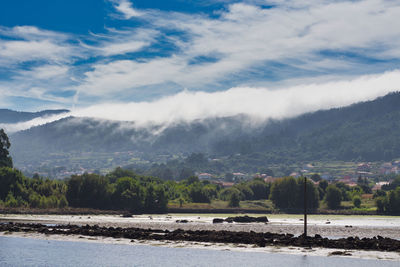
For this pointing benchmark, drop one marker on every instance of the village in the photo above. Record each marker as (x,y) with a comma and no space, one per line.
(376,174)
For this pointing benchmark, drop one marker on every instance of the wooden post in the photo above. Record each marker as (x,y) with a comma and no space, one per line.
(305,206)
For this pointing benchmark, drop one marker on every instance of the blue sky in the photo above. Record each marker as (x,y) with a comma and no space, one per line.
(81,54)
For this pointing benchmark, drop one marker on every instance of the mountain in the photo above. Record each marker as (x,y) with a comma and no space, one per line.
(92,135)
(11,116)
(367,131)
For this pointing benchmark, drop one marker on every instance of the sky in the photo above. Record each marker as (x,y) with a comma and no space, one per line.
(161,61)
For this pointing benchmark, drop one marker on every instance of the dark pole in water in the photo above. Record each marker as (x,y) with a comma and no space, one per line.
(305,206)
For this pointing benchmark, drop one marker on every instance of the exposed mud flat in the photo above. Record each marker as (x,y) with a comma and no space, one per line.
(332,226)
(361,254)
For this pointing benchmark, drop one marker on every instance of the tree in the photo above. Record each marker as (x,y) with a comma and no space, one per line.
(245,191)
(5,159)
(198,194)
(129,195)
(260,189)
(226,193)
(288,194)
(316,177)
(234,200)
(380,204)
(283,192)
(312,194)
(393,201)
(119,173)
(357,201)
(149,199)
(323,185)
(11,180)
(161,199)
(333,197)
(88,190)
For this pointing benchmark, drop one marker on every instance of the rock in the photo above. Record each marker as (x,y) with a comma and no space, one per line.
(255,238)
(247,219)
(127,215)
(340,253)
(218,220)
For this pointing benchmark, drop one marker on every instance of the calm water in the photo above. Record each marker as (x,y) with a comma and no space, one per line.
(15,251)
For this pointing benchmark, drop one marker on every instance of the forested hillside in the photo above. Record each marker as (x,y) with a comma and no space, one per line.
(367,131)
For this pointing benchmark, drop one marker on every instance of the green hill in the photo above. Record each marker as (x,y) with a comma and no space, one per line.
(367,131)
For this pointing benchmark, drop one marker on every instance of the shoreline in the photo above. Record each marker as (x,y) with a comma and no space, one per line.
(259,239)
(245,248)
(90,211)
(332,226)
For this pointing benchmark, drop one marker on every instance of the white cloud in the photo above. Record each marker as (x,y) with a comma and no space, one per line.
(29,43)
(259,103)
(246,37)
(32,33)
(125,7)
(44,72)
(117,42)
(22,51)
(15,127)
(121,75)
(123,48)
(241,39)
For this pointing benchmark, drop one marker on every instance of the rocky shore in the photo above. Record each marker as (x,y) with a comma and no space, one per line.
(258,239)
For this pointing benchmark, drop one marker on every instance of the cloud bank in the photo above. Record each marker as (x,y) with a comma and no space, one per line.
(20,126)
(260,104)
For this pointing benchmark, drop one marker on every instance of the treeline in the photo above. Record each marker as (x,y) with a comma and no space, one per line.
(388,199)
(16,190)
(121,190)
(126,190)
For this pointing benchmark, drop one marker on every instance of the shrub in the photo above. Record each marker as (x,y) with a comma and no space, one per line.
(357,201)
(63,202)
(34,200)
(11,201)
(226,193)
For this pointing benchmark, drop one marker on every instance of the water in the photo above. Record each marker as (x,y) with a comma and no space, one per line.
(16,251)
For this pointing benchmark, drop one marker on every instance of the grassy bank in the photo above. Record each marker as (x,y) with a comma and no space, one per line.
(215,206)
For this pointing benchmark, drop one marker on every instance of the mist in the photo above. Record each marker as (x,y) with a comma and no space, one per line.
(260,104)
(20,126)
